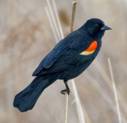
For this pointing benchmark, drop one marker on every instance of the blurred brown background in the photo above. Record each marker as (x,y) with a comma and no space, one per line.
(26,37)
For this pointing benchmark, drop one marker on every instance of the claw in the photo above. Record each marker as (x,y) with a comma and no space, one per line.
(66,91)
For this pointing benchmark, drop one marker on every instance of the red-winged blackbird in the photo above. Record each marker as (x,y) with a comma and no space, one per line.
(69,58)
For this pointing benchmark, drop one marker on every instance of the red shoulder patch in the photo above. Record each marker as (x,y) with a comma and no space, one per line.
(91,49)
(92,46)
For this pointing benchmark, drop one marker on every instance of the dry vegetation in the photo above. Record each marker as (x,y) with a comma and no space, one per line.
(26,36)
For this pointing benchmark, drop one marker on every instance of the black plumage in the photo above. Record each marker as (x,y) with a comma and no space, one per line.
(64,62)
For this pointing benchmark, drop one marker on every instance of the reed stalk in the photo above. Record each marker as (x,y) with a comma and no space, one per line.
(54,20)
(115,92)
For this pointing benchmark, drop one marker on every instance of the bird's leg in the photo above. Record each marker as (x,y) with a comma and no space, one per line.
(67,90)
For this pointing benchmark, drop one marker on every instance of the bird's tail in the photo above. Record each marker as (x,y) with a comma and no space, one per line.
(26,99)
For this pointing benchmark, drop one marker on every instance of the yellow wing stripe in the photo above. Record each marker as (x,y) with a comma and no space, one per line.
(91,49)
(87,52)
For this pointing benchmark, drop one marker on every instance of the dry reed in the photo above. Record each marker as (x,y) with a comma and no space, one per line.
(115,92)
(54,16)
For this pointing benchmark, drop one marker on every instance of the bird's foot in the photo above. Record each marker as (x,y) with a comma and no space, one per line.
(66,91)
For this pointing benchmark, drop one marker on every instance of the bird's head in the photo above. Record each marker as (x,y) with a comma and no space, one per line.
(95,27)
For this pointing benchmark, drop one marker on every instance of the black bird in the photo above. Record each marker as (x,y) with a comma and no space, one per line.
(68,59)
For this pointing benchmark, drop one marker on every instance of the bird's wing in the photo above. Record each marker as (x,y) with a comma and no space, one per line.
(51,58)
(61,52)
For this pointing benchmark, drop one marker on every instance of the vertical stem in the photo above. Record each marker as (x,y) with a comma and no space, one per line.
(115,92)
(57,19)
(66,110)
(60,31)
(53,19)
(80,111)
(51,22)
(73,14)
(78,102)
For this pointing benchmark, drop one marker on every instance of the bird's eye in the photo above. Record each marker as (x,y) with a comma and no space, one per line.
(94,29)
(96,26)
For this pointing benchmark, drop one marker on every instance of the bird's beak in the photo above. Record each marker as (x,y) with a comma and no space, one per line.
(104,28)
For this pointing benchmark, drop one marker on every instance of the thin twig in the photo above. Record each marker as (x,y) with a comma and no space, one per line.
(53,19)
(66,110)
(59,28)
(74,3)
(57,19)
(74,87)
(103,73)
(78,103)
(115,92)
(51,23)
